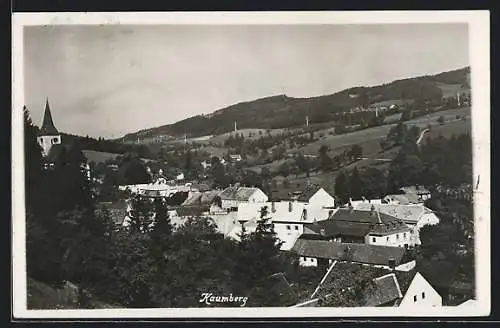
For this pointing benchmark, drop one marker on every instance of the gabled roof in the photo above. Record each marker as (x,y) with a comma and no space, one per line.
(359,253)
(308,192)
(188,211)
(359,223)
(302,194)
(238,193)
(385,290)
(201,198)
(48,128)
(405,278)
(407,213)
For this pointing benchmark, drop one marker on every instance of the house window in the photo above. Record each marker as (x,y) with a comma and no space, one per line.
(312,260)
(296,227)
(404,235)
(423,295)
(287,227)
(54,141)
(387,238)
(397,236)
(415,298)
(374,239)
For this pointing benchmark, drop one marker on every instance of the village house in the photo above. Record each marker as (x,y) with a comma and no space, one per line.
(235,158)
(288,217)
(364,227)
(405,199)
(391,288)
(415,216)
(422,192)
(232,196)
(322,253)
(313,195)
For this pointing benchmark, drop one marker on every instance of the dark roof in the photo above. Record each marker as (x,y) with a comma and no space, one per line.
(237,193)
(48,128)
(302,194)
(201,186)
(308,192)
(358,223)
(385,291)
(191,210)
(359,253)
(405,278)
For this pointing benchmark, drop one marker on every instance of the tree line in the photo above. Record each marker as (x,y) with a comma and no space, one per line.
(149,263)
(436,163)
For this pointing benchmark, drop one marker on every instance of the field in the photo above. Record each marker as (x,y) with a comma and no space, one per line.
(370,138)
(98,156)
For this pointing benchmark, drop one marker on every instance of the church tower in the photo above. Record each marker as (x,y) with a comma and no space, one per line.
(48,135)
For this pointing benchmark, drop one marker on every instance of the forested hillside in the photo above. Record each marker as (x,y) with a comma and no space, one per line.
(282,111)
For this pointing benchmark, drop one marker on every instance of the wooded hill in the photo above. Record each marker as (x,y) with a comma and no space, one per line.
(286,112)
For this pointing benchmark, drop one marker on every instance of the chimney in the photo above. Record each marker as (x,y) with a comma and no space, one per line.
(378,217)
(372,210)
(392,263)
(322,232)
(290,206)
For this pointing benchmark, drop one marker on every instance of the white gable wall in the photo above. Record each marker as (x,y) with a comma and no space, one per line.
(258,197)
(425,219)
(421,293)
(322,198)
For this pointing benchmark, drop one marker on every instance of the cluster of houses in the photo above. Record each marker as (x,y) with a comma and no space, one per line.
(372,234)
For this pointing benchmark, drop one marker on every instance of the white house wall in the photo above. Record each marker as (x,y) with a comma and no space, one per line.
(421,293)
(288,233)
(308,261)
(399,239)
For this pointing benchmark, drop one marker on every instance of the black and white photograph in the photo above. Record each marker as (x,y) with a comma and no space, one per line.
(251,164)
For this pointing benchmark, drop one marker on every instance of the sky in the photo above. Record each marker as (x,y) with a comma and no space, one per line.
(109,80)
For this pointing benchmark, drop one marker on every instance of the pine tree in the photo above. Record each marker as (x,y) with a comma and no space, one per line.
(141,214)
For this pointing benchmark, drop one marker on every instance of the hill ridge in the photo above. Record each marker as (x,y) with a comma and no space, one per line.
(282,111)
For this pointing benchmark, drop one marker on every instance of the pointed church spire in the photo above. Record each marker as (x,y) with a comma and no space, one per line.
(48,127)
